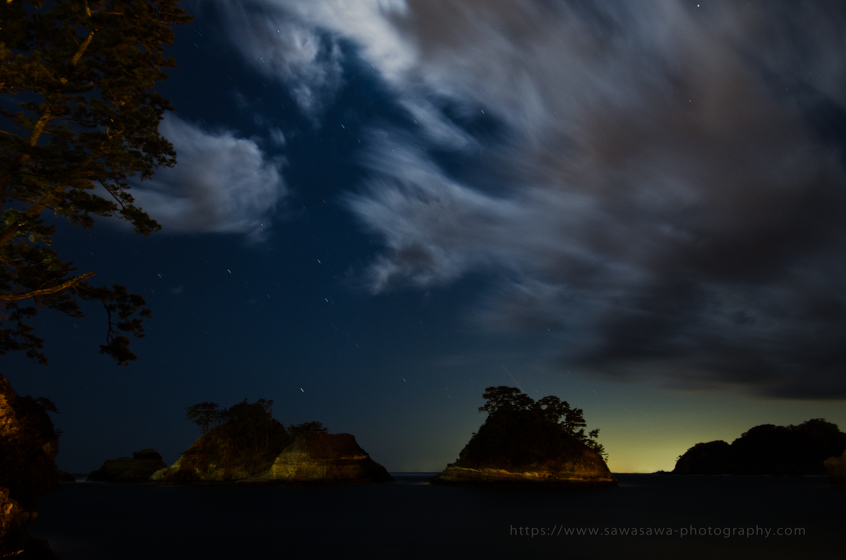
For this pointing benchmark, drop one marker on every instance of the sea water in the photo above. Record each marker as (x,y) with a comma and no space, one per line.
(646,516)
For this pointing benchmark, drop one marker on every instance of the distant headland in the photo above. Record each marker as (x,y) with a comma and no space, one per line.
(768,450)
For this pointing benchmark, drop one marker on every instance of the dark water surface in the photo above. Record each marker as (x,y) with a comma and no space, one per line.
(411,519)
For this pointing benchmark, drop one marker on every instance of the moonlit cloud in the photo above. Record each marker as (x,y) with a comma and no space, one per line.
(297,54)
(662,192)
(220,183)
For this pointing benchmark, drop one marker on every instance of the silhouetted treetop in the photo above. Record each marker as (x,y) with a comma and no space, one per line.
(307,429)
(505,398)
(203,414)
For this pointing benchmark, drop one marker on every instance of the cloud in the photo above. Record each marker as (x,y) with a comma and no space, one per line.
(665,193)
(308,61)
(278,137)
(220,183)
(298,43)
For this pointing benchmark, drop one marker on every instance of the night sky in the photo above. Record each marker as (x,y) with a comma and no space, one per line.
(381,207)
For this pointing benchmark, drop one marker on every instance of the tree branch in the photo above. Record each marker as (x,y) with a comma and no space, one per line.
(46,291)
(81,50)
(45,118)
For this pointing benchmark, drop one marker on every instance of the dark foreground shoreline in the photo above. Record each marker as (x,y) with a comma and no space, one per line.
(697,517)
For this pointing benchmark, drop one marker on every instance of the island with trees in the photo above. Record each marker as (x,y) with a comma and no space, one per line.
(527,441)
(768,450)
(244,443)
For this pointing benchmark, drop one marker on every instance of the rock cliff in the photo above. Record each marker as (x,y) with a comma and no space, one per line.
(315,458)
(137,469)
(582,467)
(28,448)
(326,458)
(190,468)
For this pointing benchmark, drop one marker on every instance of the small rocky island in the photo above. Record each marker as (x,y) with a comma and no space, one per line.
(528,442)
(768,450)
(137,469)
(248,445)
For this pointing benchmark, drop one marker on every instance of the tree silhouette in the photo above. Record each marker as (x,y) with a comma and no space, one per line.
(254,421)
(504,398)
(83,75)
(307,429)
(203,414)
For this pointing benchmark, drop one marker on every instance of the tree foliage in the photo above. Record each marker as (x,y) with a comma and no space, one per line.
(307,429)
(203,414)
(79,117)
(509,401)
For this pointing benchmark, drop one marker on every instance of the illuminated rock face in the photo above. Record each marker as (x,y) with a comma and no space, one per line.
(13,523)
(328,458)
(317,458)
(836,467)
(28,448)
(138,469)
(583,467)
(181,473)
(166,474)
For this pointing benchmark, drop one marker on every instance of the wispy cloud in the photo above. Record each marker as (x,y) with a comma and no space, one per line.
(666,195)
(306,59)
(221,183)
